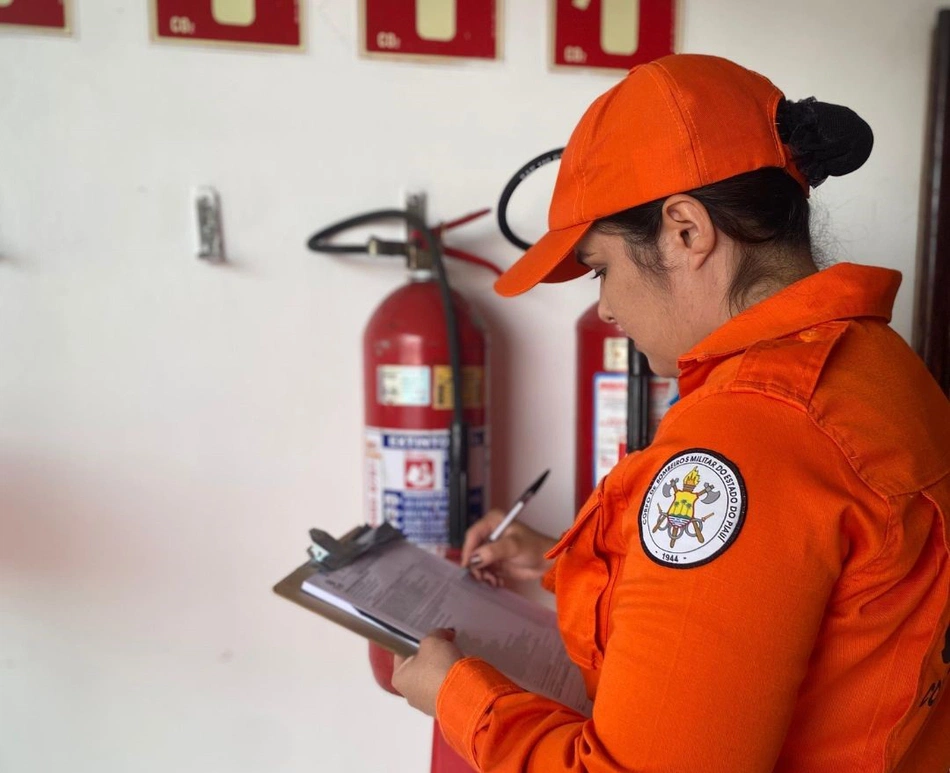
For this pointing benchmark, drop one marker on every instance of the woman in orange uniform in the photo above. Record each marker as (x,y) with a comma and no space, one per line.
(765,587)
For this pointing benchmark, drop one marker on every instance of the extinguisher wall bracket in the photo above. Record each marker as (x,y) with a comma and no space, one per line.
(418,254)
(418,258)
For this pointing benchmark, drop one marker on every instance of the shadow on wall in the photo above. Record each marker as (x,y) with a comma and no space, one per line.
(500,387)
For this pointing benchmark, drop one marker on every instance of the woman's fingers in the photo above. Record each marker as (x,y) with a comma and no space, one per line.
(443,633)
(490,553)
(448,634)
(420,677)
(518,554)
(487,576)
(479,533)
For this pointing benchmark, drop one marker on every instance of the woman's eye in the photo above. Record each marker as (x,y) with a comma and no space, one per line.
(600,273)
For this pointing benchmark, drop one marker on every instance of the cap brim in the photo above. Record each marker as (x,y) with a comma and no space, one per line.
(551,259)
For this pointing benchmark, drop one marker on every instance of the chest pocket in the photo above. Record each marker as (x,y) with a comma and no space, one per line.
(581,580)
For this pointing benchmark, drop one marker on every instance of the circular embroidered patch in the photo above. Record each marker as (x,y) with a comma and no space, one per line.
(693,509)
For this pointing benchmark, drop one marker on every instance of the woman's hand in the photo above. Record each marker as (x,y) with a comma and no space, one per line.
(518,554)
(420,677)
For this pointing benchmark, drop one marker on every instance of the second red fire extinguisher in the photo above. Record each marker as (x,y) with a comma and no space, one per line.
(619,402)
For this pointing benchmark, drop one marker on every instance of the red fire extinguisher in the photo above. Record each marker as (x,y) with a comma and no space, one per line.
(408,402)
(408,398)
(425,449)
(619,401)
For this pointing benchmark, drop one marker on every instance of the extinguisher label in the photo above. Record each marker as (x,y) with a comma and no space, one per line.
(615,354)
(473,387)
(610,421)
(403,385)
(610,415)
(407,481)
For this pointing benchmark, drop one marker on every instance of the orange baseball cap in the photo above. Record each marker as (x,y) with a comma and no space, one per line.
(673,125)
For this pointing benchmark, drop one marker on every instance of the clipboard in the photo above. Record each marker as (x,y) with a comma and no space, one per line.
(291,588)
(409,588)
(326,549)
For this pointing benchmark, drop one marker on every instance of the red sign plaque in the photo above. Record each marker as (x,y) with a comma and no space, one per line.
(242,22)
(46,14)
(616,34)
(443,28)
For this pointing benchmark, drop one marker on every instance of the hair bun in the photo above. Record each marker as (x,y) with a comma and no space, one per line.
(826,140)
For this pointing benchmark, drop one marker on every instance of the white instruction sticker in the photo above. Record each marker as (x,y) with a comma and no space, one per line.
(610,416)
(403,385)
(610,422)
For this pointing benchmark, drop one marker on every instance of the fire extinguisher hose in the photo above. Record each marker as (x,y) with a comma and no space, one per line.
(532,166)
(458,433)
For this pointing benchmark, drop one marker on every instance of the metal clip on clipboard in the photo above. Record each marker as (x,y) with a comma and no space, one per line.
(328,554)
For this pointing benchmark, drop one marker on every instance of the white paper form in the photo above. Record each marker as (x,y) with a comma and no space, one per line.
(415,591)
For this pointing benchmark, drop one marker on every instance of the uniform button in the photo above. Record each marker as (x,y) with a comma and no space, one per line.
(809,335)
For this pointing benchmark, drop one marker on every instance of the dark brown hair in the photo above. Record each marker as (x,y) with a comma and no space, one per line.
(766,212)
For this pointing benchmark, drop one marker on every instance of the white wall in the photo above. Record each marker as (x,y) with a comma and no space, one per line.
(169,429)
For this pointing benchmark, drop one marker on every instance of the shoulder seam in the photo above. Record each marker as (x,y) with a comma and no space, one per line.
(806,411)
(812,351)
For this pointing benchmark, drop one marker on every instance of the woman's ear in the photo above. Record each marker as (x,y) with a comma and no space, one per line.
(688,230)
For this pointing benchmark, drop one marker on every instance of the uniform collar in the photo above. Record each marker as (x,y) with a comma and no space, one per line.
(844,291)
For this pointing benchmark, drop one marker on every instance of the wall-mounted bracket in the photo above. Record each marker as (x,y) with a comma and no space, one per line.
(210,236)
(420,259)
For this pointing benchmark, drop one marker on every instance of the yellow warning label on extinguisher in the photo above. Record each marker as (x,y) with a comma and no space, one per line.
(473,387)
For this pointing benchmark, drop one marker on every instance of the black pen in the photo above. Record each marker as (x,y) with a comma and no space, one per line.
(513,513)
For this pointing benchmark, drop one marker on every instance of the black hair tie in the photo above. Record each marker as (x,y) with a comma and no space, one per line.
(826,140)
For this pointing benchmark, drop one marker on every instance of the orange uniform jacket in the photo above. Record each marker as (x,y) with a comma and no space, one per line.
(766,586)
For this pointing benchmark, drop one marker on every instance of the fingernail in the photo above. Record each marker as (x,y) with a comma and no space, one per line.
(474,560)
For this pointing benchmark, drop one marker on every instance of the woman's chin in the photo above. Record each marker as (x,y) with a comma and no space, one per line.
(662,368)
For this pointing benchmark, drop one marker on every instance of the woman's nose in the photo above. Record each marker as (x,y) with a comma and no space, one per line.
(603,311)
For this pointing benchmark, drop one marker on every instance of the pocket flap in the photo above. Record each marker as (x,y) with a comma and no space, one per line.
(587,509)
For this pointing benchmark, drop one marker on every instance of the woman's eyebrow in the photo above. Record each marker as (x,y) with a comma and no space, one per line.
(581,256)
